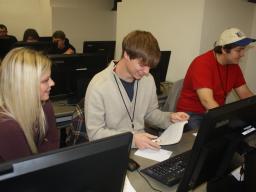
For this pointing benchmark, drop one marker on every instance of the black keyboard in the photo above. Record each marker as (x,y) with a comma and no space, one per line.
(170,171)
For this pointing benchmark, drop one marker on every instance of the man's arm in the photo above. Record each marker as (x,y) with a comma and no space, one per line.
(206,98)
(243,92)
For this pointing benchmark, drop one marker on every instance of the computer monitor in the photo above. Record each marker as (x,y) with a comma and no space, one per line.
(72,74)
(221,134)
(44,47)
(103,47)
(160,71)
(89,167)
(6,44)
(45,38)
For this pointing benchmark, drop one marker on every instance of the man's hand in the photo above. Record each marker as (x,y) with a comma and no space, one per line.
(69,51)
(145,141)
(179,116)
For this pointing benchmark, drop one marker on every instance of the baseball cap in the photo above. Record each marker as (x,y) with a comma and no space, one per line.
(234,35)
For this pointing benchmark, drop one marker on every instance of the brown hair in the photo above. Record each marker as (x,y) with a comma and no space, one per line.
(142,45)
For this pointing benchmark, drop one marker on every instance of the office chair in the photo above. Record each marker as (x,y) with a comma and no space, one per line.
(174,93)
(77,131)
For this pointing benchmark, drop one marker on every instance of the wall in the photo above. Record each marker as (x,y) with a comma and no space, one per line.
(83,20)
(80,19)
(18,15)
(175,23)
(188,28)
(250,69)
(218,16)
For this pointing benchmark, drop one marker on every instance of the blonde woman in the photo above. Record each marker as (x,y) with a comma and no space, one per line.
(27,122)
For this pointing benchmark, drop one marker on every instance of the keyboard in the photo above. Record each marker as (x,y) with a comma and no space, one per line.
(170,171)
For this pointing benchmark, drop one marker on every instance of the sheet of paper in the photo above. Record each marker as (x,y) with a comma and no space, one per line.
(236,173)
(159,155)
(127,186)
(195,134)
(172,134)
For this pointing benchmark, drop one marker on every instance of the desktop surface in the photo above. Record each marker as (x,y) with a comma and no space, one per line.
(138,181)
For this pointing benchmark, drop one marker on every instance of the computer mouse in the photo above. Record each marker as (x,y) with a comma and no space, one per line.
(132,165)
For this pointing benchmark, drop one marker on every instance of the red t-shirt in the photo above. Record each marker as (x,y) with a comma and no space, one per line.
(206,72)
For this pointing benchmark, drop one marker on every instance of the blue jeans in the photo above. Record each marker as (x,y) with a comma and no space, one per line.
(194,120)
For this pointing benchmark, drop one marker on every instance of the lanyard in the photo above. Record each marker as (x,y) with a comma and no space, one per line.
(131,117)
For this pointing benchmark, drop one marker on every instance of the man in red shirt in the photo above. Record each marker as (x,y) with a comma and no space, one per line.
(212,75)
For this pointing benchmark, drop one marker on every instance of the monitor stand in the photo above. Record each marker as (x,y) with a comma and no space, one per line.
(229,183)
(250,171)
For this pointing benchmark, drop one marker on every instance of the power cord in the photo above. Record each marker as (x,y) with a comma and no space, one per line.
(155,189)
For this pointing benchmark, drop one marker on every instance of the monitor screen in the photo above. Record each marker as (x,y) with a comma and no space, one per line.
(103,47)
(72,74)
(220,135)
(160,71)
(41,46)
(45,39)
(89,167)
(6,44)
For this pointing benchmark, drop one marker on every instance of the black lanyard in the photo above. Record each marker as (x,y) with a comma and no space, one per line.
(131,117)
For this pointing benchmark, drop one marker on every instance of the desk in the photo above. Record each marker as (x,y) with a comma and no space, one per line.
(141,185)
(63,112)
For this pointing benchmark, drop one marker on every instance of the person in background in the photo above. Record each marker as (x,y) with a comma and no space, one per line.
(4,33)
(122,98)
(30,35)
(62,45)
(213,75)
(27,121)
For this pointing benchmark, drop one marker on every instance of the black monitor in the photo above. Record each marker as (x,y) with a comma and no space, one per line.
(72,74)
(45,38)
(44,47)
(222,133)
(160,71)
(89,167)
(6,44)
(103,47)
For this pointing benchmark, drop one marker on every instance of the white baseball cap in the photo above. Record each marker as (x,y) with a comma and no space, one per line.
(233,35)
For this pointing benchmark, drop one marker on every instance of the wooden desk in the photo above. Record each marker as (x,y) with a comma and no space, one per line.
(139,183)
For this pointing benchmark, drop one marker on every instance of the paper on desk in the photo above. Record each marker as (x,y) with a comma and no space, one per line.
(127,186)
(237,174)
(172,134)
(157,155)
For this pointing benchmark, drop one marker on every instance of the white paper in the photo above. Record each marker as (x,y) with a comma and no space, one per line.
(127,186)
(236,173)
(172,134)
(157,155)
(195,134)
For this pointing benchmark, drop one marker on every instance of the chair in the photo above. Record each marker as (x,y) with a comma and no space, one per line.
(171,101)
(77,132)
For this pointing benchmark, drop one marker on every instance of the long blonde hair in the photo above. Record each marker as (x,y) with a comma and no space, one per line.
(20,75)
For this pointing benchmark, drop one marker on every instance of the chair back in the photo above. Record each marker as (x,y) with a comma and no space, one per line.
(174,93)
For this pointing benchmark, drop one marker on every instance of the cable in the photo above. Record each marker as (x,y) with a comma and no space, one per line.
(148,181)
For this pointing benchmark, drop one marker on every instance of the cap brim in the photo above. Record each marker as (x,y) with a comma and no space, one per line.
(244,42)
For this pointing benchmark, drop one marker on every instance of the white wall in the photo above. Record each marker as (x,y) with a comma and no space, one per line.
(222,14)
(18,15)
(83,20)
(188,28)
(80,19)
(175,23)
(250,69)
